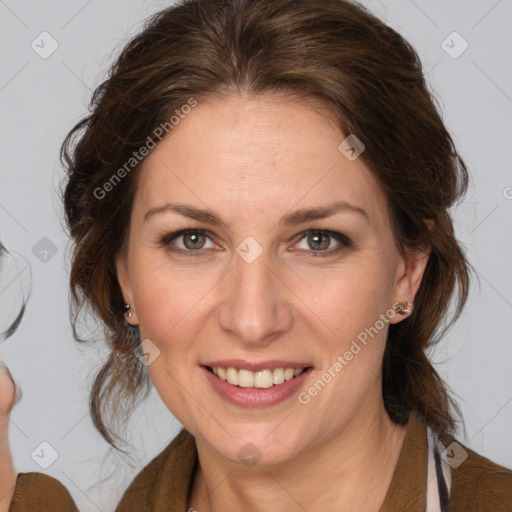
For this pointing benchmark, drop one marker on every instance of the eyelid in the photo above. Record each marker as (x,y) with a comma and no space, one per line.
(167,239)
(343,240)
(334,234)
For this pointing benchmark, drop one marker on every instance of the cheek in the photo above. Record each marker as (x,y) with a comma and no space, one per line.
(165,298)
(348,315)
(171,308)
(345,302)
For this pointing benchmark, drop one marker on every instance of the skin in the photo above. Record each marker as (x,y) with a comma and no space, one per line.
(8,397)
(251,160)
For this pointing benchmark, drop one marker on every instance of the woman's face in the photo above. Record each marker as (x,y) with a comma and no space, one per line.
(249,288)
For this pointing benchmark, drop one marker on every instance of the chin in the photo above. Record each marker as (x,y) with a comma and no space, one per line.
(254,446)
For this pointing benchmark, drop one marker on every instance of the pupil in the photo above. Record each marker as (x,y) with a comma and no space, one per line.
(317,238)
(194,237)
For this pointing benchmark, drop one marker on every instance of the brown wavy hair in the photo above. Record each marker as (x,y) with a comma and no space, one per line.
(332,50)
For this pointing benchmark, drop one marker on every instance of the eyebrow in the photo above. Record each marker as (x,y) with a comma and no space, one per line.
(291,219)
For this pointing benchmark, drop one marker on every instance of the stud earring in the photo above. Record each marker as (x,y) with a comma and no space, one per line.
(128,311)
(403,309)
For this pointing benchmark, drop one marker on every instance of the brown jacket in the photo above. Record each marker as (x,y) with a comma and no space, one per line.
(36,492)
(477,484)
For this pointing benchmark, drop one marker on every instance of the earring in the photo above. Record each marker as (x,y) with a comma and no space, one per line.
(401,310)
(127,311)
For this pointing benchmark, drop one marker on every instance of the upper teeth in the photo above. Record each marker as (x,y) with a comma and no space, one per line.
(261,379)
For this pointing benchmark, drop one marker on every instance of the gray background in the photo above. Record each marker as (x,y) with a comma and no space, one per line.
(41,99)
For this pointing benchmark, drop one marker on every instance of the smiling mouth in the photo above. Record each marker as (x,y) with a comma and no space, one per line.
(263,379)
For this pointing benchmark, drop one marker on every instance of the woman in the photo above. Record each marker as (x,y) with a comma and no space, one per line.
(259,205)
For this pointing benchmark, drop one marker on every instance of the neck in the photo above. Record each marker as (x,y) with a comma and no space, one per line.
(350,471)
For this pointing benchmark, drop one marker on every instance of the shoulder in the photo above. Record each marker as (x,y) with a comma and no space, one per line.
(477,482)
(165,479)
(39,492)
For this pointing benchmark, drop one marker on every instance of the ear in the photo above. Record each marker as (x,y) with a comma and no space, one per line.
(123,277)
(409,275)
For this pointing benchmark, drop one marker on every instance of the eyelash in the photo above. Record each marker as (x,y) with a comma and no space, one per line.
(342,239)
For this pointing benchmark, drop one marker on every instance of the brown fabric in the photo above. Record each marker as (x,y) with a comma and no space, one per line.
(163,485)
(37,492)
(407,490)
(478,485)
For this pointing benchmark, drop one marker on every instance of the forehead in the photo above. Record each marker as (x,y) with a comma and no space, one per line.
(248,153)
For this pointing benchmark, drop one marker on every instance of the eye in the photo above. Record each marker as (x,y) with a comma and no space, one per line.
(193,241)
(321,241)
(187,241)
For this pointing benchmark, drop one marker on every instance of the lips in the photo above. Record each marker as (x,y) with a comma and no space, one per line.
(256,384)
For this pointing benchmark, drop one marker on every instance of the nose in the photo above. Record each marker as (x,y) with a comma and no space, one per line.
(254,306)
